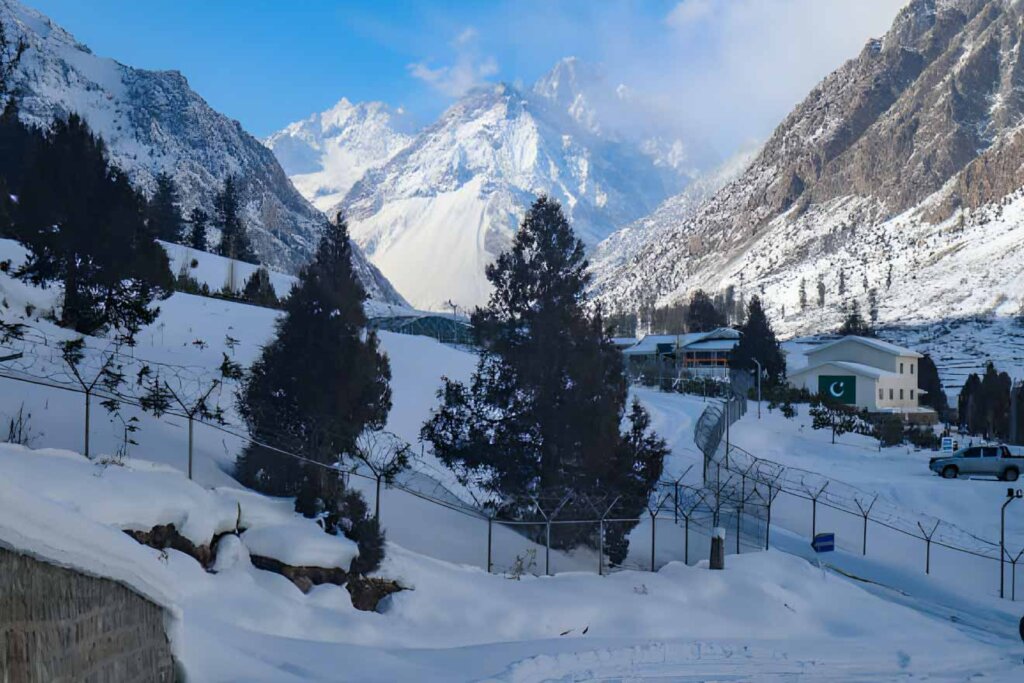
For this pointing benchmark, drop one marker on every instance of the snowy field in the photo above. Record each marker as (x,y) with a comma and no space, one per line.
(769,616)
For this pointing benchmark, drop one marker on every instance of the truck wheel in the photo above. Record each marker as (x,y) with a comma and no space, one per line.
(1011,474)
(950,472)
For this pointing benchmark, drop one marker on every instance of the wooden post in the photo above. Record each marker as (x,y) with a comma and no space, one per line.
(718,548)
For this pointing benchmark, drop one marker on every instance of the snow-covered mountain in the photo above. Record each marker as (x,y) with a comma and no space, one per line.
(899,173)
(437,213)
(152,121)
(619,248)
(325,154)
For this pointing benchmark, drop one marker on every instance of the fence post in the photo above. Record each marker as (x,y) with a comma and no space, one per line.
(600,547)
(814,510)
(686,540)
(87,395)
(928,546)
(768,522)
(864,513)
(547,548)
(490,526)
(654,526)
(190,449)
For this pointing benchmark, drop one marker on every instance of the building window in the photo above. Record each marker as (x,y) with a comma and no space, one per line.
(901,368)
(901,394)
(911,368)
(881,394)
(890,394)
(911,394)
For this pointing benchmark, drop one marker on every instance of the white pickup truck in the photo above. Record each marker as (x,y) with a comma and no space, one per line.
(991,461)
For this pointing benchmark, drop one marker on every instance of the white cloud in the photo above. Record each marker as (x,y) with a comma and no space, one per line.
(690,12)
(468,70)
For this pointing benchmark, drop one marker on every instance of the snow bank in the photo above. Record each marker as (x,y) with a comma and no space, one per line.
(300,543)
(137,495)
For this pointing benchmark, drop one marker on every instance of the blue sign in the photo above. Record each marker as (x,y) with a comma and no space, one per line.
(824,543)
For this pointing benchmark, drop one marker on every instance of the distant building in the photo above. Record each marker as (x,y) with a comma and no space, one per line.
(866,373)
(657,357)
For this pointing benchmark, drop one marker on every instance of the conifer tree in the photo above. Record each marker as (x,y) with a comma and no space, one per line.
(855,323)
(259,291)
(316,387)
(803,294)
(197,220)
(842,282)
(84,226)
(701,315)
(758,341)
(165,220)
(541,415)
(932,393)
(234,240)
(821,291)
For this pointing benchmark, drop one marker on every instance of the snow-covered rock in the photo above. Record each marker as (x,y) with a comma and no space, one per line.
(300,543)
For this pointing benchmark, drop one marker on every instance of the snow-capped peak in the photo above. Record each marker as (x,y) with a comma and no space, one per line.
(326,153)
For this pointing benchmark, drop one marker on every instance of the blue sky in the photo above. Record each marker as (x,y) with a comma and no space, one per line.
(730,68)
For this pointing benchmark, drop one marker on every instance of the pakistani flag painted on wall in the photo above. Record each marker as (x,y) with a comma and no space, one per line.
(839,388)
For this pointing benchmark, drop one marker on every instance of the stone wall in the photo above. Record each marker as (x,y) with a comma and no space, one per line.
(57,626)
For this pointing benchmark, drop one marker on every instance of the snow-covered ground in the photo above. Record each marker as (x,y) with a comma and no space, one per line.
(768,616)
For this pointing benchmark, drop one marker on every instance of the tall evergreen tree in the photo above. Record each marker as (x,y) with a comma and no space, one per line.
(164,212)
(803,294)
(967,401)
(234,240)
(821,291)
(84,226)
(316,387)
(758,341)
(197,220)
(541,416)
(928,382)
(701,315)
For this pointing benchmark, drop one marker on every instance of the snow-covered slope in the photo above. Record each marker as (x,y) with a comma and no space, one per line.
(900,172)
(437,213)
(325,154)
(152,122)
(619,248)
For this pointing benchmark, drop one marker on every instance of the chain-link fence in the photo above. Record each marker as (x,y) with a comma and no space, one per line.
(570,531)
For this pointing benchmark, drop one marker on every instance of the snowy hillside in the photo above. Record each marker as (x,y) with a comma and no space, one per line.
(435,214)
(153,122)
(899,173)
(325,154)
(770,614)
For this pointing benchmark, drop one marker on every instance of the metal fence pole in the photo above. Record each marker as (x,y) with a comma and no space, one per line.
(768,523)
(490,527)
(87,395)
(547,548)
(600,547)
(190,459)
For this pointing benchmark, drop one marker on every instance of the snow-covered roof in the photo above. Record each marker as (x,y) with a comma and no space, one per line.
(713,345)
(855,368)
(648,346)
(876,344)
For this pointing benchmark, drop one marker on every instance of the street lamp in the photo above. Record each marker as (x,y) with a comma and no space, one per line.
(1011,495)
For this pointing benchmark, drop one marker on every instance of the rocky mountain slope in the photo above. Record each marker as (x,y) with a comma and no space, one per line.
(325,154)
(435,214)
(896,181)
(152,121)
